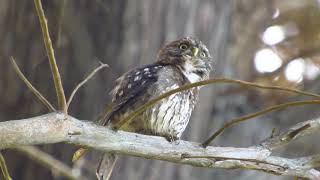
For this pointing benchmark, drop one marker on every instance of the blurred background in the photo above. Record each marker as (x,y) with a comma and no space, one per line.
(275,42)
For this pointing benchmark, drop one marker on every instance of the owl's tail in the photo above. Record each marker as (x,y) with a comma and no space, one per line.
(106,165)
(85,163)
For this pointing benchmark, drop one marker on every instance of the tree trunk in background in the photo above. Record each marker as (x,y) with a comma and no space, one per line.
(125,34)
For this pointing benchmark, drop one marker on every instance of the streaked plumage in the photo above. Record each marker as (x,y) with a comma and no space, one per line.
(183,61)
(174,67)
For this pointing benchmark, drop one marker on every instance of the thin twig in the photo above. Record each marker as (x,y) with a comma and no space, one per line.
(260,86)
(62,4)
(40,97)
(50,52)
(84,81)
(255,114)
(206,82)
(4,168)
(48,161)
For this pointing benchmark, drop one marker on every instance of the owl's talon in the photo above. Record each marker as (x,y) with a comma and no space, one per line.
(172,139)
(114,128)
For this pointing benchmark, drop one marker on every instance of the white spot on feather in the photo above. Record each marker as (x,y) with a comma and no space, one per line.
(137,78)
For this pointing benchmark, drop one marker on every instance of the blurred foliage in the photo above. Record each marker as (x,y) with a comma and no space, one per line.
(302,28)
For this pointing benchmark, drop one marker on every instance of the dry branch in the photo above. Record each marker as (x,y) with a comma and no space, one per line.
(85,81)
(256,114)
(299,130)
(52,60)
(4,168)
(152,102)
(41,98)
(47,160)
(57,127)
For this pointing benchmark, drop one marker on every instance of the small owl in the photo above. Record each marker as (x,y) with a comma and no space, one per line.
(180,62)
(183,61)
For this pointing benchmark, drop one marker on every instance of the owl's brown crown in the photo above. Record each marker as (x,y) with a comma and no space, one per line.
(189,55)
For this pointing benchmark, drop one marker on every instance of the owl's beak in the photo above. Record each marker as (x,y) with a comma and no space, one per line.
(195,51)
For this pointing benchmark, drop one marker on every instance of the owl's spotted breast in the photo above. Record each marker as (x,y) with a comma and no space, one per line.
(181,62)
(167,118)
(170,117)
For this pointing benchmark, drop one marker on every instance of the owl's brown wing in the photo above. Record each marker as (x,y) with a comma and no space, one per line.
(131,91)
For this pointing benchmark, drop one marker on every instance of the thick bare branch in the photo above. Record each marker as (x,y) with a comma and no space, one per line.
(57,127)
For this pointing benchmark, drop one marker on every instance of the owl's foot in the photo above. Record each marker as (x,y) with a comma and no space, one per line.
(114,128)
(172,139)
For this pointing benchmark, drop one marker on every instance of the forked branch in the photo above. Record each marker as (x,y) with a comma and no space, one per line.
(40,97)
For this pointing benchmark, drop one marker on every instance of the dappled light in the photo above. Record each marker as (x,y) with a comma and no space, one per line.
(266,60)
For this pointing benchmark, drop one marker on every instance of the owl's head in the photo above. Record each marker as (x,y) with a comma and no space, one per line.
(190,56)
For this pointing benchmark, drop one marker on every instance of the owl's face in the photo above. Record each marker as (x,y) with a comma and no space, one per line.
(190,55)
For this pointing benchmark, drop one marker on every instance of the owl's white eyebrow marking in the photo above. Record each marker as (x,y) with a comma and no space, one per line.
(129,85)
(137,78)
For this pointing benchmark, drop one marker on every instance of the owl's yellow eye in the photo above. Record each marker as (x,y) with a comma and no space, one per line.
(183,46)
(202,54)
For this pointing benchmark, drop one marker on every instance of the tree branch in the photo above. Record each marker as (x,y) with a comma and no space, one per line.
(297,131)
(102,65)
(152,102)
(45,159)
(57,127)
(256,114)
(40,97)
(52,60)
(4,168)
